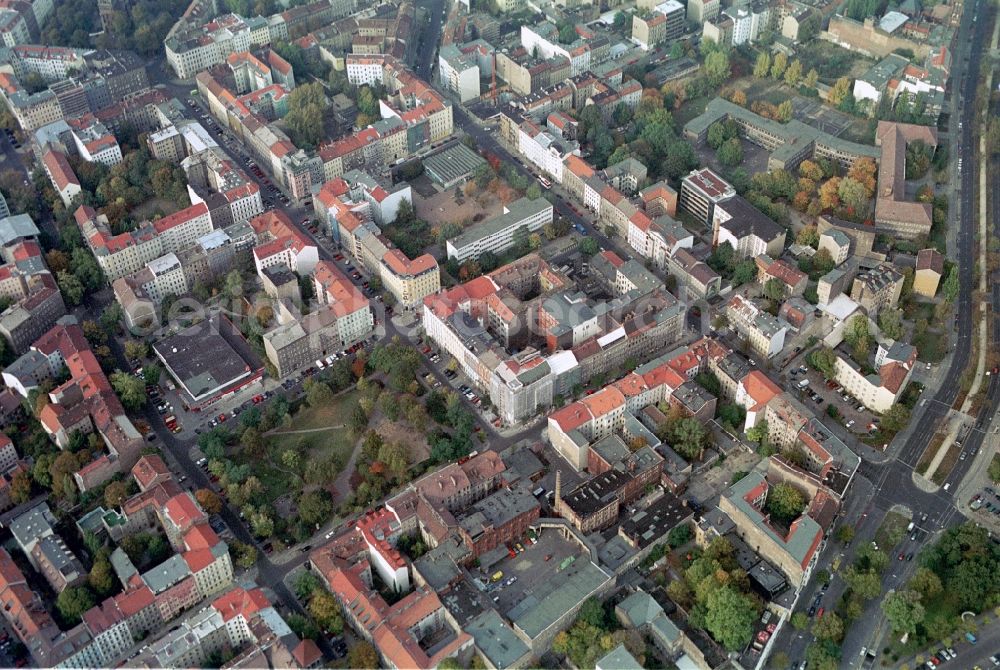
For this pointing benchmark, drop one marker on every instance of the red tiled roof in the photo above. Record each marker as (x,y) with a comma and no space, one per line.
(181,217)
(147,469)
(59,169)
(183,511)
(403,266)
(240,602)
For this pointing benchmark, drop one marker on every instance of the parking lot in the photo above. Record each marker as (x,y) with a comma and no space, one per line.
(821,394)
(529,569)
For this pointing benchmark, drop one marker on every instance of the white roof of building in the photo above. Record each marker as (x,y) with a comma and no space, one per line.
(163,263)
(561,362)
(608,338)
(199,139)
(893,21)
(840,307)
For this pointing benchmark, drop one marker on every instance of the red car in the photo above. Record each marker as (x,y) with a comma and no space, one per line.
(221,418)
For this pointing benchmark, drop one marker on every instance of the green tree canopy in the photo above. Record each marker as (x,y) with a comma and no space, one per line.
(785,502)
(73,601)
(130,389)
(903,610)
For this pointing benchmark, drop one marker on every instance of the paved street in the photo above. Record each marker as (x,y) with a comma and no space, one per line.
(887,480)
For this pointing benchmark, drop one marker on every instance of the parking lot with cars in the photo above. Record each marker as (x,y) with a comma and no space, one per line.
(508,582)
(813,389)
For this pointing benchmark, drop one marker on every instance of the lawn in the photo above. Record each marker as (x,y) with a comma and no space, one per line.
(334,445)
(691,109)
(947,463)
(892,531)
(930,346)
(928,455)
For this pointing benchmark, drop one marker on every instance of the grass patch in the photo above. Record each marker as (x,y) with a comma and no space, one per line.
(150,208)
(891,531)
(930,346)
(334,445)
(276,482)
(336,413)
(947,463)
(928,455)
(912,394)
(691,109)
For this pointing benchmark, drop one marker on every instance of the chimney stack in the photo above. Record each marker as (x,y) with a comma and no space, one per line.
(558,487)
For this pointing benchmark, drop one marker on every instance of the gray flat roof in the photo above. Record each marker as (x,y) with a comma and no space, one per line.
(496,639)
(201,359)
(453,163)
(568,589)
(517,211)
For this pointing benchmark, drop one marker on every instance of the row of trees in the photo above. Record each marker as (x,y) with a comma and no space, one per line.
(780,69)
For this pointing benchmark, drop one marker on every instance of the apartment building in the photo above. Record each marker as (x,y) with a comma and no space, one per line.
(545,149)
(765,334)
(126,253)
(881,390)
(280,242)
(93,142)
(460,68)
(877,289)
(544,37)
(701,191)
(665,24)
(701,11)
(61,175)
(794,550)
(520,218)
(229,193)
(191,50)
(342,317)
(35,300)
(929,271)
(745,228)
(836,243)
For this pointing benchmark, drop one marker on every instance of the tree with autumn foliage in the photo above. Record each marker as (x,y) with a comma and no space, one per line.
(829,197)
(801,201)
(779,65)
(840,91)
(762,66)
(810,170)
(863,171)
(794,73)
(209,500)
